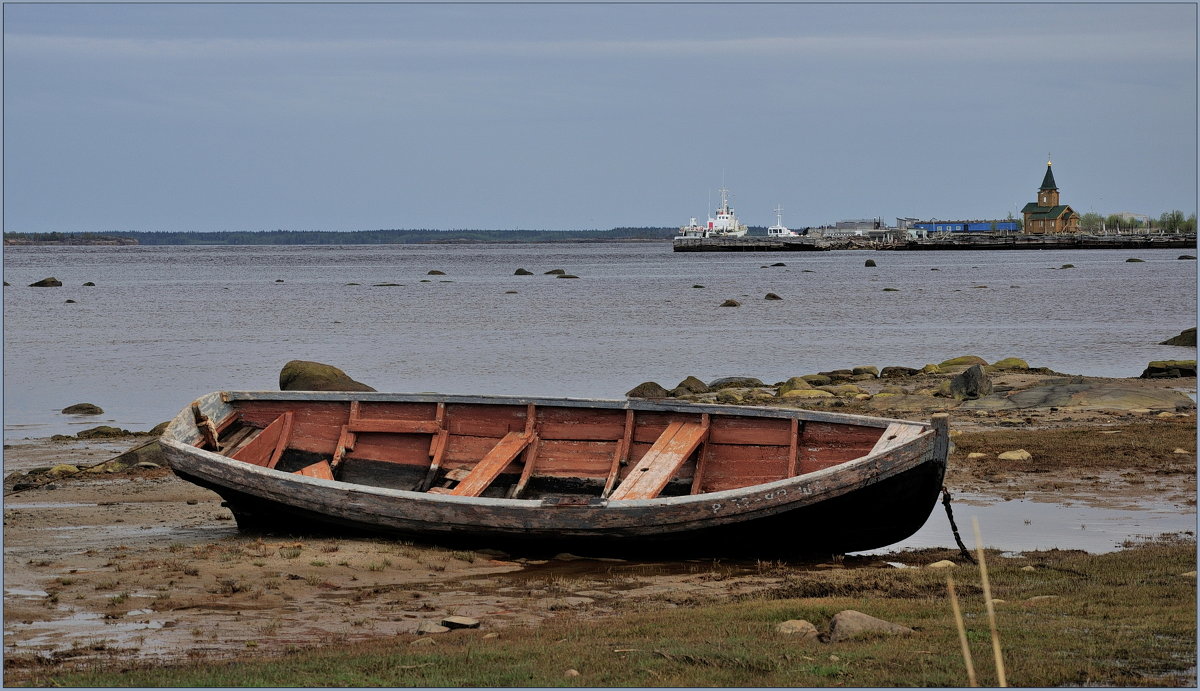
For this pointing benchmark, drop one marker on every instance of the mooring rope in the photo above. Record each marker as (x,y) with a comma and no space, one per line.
(954,526)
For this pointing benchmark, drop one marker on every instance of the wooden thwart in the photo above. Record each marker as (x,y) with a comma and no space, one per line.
(896,434)
(662,461)
(490,466)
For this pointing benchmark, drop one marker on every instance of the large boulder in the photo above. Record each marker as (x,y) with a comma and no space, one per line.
(1169,368)
(962,362)
(734,382)
(794,384)
(83,409)
(1186,338)
(693,385)
(50,282)
(895,372)
(304,375)
(1085,394)
(1010,363)
(970,384)
(647,390)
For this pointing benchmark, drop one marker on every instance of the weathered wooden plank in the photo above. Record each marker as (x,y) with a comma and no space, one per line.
(566,458)
(377,410)
(620,455)
(581,431)
(662,461)
(345,443)
(285,435)
(394,426)
(896,434)
(319,469)
(747,430)
(261,450)
(817,433)
(405,449)
(491,465)
(793,447)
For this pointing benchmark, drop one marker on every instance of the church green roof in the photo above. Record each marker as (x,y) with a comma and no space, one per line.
(1048,181)
(1044,212)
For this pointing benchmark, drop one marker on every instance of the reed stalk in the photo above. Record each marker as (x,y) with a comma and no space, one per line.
(991,609)
(962,633)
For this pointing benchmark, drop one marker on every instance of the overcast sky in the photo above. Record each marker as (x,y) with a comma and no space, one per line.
(353,117)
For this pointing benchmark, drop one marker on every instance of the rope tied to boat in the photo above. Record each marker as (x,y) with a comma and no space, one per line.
(962,549)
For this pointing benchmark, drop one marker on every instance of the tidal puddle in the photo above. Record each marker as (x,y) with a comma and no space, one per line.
(1022,525)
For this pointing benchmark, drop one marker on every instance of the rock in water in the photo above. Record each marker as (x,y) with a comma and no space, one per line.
(869,263)
(772,296)
(731,303)
(850,623)
(971,383)
(522,272)
(83,409)
(1186,338)
(304,375)
(50,282)
(647,390)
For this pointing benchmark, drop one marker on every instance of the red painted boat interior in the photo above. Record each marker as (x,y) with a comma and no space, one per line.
(514,449)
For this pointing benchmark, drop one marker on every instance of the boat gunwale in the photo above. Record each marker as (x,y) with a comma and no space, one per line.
(651,405)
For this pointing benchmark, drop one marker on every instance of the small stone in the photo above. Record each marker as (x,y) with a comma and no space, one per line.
(1181,452)
(566,276)
(1133,260)
(89,284)
(490,634)
(975,455)
(68,302)
(555,272)
(1020,455)
(697,286)
(435,272)
(807,393)
(457,622)
(1042,598)
(1028,568)
(772,296)
(731,303)
(943,564)
(83,409)
(522,272)
(423,642)
(63,469)
(850,623)
(571,673)
(798,627)
(49,282)
(891,290)
(428,627)
(1188,574)
(146,465)
(869,263)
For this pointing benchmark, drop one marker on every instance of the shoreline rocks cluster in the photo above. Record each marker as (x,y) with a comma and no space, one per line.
(963,382)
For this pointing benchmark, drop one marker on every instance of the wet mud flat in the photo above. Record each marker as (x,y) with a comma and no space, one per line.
(142,566)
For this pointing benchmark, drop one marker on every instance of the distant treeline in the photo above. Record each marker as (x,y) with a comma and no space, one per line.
(357,237)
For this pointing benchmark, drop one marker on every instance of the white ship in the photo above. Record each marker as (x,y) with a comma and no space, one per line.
(725,224)
(779,230)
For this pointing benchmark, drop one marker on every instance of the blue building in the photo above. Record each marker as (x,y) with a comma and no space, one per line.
(1011,226)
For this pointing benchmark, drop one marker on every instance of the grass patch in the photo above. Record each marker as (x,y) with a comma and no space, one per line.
(1122,619)
(1133,446)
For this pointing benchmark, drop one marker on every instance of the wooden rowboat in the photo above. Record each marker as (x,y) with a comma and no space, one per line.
(547,474)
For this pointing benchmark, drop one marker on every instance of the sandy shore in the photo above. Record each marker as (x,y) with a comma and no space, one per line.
(139,564)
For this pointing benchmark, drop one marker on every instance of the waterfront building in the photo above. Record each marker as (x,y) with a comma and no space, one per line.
(1046,215)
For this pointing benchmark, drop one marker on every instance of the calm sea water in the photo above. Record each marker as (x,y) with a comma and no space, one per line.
(164,325)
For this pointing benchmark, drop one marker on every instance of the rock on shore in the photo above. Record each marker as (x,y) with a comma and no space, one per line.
(304,375)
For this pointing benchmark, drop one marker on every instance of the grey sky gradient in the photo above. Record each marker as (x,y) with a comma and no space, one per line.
(352,117)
